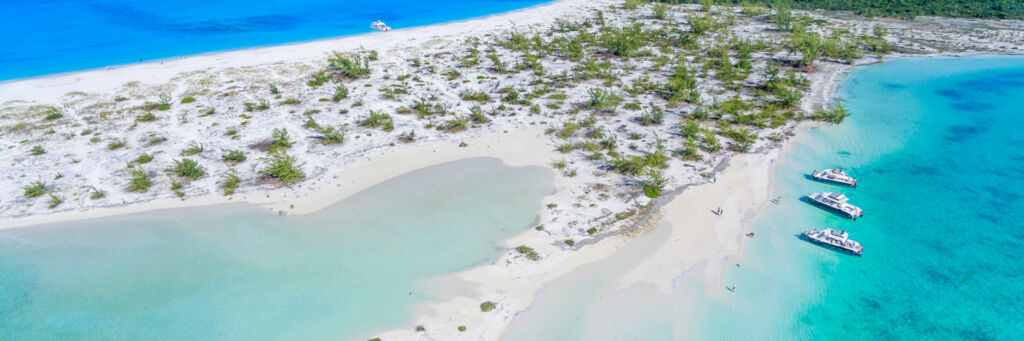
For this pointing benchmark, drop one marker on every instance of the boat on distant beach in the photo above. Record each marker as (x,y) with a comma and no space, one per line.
(834,175)
(836,239)
(836,202)
(380,26)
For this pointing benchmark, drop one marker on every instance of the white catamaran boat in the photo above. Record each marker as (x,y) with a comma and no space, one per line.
(836,239)
(380,26)
(835,175)
(836,202)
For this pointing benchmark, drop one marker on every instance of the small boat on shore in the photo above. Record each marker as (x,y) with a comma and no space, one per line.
(834,175)
(837,203)
(380,26)
(835,239)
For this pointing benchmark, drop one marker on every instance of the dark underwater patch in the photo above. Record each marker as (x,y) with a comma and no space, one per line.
(950,93)
(894,86)
(972,106)
(959,133)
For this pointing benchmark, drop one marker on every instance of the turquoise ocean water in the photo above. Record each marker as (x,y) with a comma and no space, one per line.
(937,147)
(47,37)
(236,272)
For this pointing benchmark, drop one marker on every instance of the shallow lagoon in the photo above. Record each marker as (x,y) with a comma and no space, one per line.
(237,272)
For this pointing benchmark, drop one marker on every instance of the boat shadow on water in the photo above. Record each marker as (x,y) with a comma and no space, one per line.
(811,177)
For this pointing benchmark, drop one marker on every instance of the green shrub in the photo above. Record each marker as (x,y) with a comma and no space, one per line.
(332,135)
(487,306)
(55,201)
(835,114)
(233,156)
(192,148)
(115,144)
(528,252)
(340,92)
(602,100)
(187,168)
(164,103)
(147,117)
(283,167)
(229,182)
(375,120)
(97,193)
(454,125)
(628,165)
(34,189)
(187,100)
(139,181)
(316,79)
(37,150)
(52,113)
(408,136)
(348,65)
(281,140)
(142,159)
(654,183)
(478,96)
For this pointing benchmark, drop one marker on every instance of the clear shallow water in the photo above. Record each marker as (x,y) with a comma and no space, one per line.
(237,272)
(937,149)
(46,37)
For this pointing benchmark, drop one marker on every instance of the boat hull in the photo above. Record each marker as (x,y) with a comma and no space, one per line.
(834,182)
(833,247)
(835,210)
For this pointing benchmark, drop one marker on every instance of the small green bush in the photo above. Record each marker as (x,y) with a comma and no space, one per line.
(234,156)
(528,252)
(37,150)
(115,144)
(139,181)
(229,182)
(52,114)
(375,119)
(192,148)
(187,168)
(55,201)
(187,100)
(142,159)
(487,306)
(283,167)
(340,92)
(281,140)
(147,117)
(35,189)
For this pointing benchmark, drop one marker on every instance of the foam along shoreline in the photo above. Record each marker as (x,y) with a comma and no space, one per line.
(50,88)
(526,147)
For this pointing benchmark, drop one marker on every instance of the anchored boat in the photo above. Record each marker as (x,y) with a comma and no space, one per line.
(380,26)
(836,239)
(835,175)
(836,202)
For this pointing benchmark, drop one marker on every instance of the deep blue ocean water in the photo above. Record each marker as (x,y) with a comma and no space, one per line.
(238,272)
(938,150)
(47,37)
